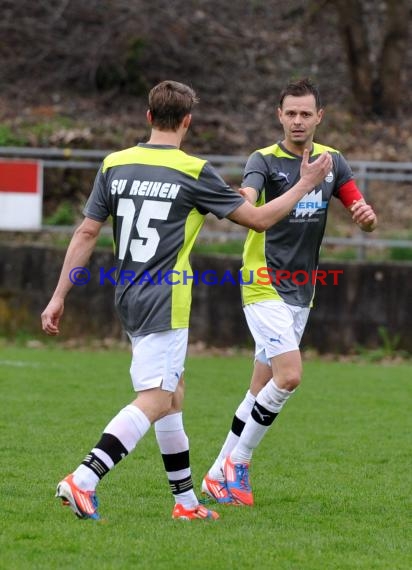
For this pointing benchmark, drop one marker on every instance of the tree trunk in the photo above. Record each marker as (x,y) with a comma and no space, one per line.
(354,38)
(389,94)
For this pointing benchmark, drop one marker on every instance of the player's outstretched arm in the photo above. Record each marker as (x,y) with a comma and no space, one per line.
(78,254)
(363,215)
(262,218)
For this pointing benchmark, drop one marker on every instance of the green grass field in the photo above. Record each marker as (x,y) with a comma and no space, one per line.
(331,479)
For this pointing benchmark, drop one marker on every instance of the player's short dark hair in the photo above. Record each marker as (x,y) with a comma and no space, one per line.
(169,103)
(300,88)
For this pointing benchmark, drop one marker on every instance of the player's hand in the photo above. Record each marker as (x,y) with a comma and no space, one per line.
(50,317)
(363,215)
(315,172)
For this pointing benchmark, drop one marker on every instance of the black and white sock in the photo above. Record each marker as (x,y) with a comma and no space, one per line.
(238,423)
(174,447)
(269,402)
(119,438)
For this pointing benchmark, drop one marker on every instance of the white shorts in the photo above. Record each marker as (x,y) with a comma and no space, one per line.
(158,359)
(276,327)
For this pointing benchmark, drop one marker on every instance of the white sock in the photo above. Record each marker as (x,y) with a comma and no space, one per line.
(269,402)
(273,398)
(85,478)
(174,447)
(129,426)
(241,415)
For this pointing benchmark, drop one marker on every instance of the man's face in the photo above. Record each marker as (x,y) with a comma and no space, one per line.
(299,118)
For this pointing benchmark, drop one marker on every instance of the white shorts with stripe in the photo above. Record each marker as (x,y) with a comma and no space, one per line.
(158,359)
(276,327)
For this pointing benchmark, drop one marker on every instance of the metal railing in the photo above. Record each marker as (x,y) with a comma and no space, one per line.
(226,165)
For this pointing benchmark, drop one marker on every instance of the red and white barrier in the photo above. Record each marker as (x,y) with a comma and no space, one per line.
(21,194)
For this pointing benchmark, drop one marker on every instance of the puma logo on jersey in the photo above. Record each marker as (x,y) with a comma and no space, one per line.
(284,175)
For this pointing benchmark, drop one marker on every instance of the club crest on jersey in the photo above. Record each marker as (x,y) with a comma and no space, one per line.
(310,204)
(329,177)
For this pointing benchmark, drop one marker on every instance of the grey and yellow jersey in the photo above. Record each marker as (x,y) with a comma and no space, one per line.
(158,197)
(292,244)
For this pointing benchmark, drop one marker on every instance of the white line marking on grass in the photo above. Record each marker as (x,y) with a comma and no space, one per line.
(19,363)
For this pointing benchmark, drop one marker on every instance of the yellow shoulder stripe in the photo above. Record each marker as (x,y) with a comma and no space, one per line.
(168,157)
(277,151)
(319,148)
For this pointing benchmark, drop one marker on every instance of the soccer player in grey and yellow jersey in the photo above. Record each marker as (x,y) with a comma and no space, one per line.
(157,196)
(277,305)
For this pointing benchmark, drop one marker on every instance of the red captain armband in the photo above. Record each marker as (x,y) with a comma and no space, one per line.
(349,193)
